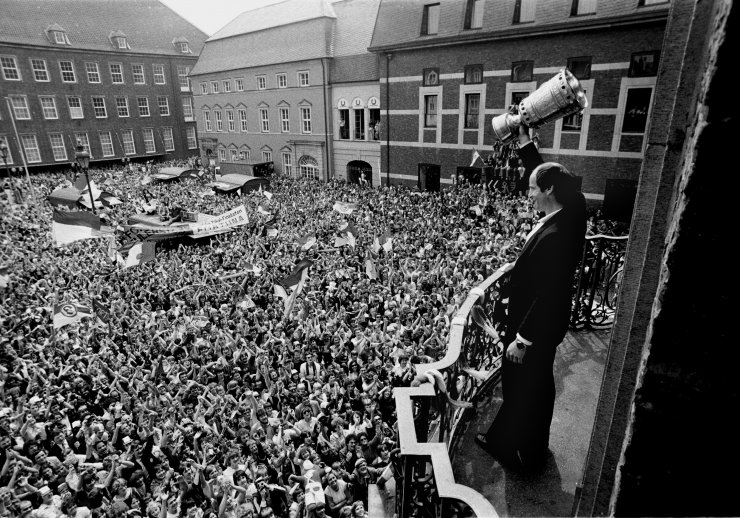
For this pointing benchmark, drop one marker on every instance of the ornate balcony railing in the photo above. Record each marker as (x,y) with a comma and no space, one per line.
(598,282)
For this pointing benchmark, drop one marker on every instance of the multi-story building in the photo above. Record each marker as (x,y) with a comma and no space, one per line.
(355,93)
(449,66)
(261,88)
(112,76)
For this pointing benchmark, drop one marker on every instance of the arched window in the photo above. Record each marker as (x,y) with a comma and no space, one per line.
(308,167)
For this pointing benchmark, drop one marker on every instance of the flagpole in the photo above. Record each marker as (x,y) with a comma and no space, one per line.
(20,147)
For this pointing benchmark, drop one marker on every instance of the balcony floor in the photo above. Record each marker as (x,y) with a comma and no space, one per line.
(579,365)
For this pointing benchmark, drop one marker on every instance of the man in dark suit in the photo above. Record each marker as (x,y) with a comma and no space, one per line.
(540,291)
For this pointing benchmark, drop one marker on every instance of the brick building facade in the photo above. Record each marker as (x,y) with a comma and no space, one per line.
(111,76)
(449,67)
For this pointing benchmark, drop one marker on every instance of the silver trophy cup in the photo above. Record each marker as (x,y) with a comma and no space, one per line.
(559,97)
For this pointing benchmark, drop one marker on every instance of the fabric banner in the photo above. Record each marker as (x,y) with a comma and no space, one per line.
(307,241)
(68,313)
(73,226)
(101,311)
(134,254)
(294,278)
(344,207)
(228,220)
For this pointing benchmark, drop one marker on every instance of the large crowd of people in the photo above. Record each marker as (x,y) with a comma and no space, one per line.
(207,393)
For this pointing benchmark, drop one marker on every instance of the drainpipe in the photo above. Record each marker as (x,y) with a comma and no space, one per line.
(388,58)
(329,158)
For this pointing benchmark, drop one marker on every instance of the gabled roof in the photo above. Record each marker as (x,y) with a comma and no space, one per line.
(149,25)
(275,15)
(355,24)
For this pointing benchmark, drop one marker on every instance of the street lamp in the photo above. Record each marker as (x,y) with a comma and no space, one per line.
(83,160)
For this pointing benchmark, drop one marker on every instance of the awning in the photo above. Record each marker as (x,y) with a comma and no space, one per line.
(174,173)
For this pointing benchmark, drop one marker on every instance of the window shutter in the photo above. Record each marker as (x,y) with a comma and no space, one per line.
(469,13)
(425,21)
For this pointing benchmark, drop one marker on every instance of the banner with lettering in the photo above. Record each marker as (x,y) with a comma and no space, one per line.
(233,218)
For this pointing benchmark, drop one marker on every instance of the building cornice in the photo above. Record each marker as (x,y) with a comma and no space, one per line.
(82,50)
(531,31)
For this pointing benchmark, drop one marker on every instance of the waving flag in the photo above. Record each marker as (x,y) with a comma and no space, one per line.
(95,191)
(307,241)
(68,313)
(344,207)
(340,242)
(4,276)
(280,292)
(370,269)
(73,226)
(136,253)
(299,287)
(386,241)
(349,231)
(267,194)
(101,311)
(476,156)
(376,245)
(292,280)
(476,208)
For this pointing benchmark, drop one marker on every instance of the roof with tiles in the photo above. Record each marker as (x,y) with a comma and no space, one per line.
(399,21)
(275,15)
(290,31)
(349,69)
(149,25)
(355,25)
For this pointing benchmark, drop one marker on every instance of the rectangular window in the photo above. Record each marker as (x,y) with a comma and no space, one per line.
(306,120)
(473,74)
(359,124)
(287,164)
(214,87)
(303,78)
(60,38)
(99,107)
(261,82)
(344,124)
(644,64)
(431,76)
(159,78)
(184,47)
(522,71)
(204,88)
(143,103)
(81,139)
(182,76)
(116,73)
(227,86)
(4,140)
(474,14)
(285,120)
(207,120)
(169,141)
(187,107)
(221,154)
(282,80)
(138,72)
(264,121)
(40,72)
(580,67)
(524,11)
(636,110)
(246,155)
(374,127)
(49,107)
(10,69)
(580,7)
(230,120)
(20,107)
(164,106)
(149,145)
(191,138)
(234,155)
(106,143)
(31,148)
(129,147)
(57,146)
(430,19)
(472,109)
(243,120)
(122,106)
(93,73)
(240,85)
(430,111)
(267,156)
(122,43)
(67,68)
(219,120)
(75,107)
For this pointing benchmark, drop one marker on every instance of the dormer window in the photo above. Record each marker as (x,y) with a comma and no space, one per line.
(57,34)
(182,44)
(119,40)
